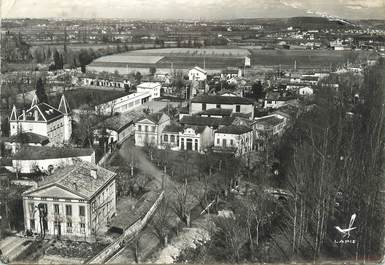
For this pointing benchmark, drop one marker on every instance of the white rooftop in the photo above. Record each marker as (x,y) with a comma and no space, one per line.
(148,85)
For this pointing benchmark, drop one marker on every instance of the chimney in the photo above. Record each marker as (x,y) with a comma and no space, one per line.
(93,173)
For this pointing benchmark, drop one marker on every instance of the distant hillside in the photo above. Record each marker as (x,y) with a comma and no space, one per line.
(316,23)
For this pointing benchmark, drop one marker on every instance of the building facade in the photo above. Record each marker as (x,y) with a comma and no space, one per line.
(197,74)
(45,120)
(149,130)
(196,138)
(234,139)
(150,87)
(236,104)
(76,202)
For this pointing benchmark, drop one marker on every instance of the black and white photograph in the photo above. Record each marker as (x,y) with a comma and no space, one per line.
(192,132)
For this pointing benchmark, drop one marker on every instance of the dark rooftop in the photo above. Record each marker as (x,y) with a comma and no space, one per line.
(215,99)
(29,137)
(216,112)
(234,129)
(173,128)
(206,121)
(77,178)
(49,152)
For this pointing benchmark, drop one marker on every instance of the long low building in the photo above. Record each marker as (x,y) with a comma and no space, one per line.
(32,159)
(124,104)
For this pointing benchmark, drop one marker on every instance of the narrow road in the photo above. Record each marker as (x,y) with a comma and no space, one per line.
(146,166)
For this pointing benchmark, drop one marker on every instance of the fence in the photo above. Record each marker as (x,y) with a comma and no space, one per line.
(127,235)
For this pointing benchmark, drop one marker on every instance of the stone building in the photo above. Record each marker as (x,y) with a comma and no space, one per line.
(75,202)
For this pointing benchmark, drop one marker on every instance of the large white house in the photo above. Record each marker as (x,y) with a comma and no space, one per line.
(75,202)
(237,139)
(45,120)
(149,129)
(236,104)
(197,74)
(152,87)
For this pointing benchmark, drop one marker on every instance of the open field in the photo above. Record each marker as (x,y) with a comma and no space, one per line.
(305,58)
(218,59)
(94,46)
(233,52)
(90,97)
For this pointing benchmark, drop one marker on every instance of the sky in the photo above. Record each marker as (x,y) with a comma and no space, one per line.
(191,9)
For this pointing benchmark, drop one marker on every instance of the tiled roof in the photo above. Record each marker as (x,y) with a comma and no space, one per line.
(216,112)
(155,117)
(206,121)
(44,110)
(119,122)
(173,128)
(28,137)
(215,99)
(49,152)
(77,179)
(200,69)
(234,129)
(197,129)
(271,120)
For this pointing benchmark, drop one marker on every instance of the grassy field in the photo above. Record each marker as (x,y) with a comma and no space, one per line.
(86,96)
(231,52)
(304,57)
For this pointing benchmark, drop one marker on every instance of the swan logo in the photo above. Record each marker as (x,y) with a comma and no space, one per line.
(345,232)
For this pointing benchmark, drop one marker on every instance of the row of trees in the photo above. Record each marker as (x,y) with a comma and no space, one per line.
(334,168)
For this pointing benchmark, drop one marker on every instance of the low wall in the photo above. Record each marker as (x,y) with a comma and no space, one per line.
(127,235)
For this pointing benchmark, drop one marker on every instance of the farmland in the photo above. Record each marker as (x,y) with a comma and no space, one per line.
(214,60)
(209,52)
(304,58)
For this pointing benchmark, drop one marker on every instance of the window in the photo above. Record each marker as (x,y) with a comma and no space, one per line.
(68,210)
(204,106)
(82,211)
(237,108)
(83,228)
(165,138)
(218,106)
(224,142)
(56,208)
(218,141)
(69,227)
(152,128)
(231,142)
(139,127)
(172,138)
(146,128)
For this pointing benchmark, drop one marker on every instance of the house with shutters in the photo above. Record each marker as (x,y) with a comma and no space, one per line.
(149,129)
(235,139)
(45,120)
(76,202)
